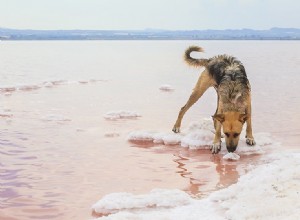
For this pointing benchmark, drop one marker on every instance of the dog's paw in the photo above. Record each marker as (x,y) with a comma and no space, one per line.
(215,148)
(250,141)
(176,129)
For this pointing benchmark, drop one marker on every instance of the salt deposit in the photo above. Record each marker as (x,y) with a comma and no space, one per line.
(198,139)
(157,198)
(166,88)
(5,89)
(199,135)
(171,139)
(141,136)
(28,87)
(46,84)
(6,113)
(111,134)
(55,118)
(275,183)
(231,156)
(121,114)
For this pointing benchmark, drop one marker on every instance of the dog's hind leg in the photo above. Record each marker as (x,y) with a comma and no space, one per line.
(249,136)
(204,82)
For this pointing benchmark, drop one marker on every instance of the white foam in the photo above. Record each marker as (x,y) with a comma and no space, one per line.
(121,114)
(276,184)
(166,88)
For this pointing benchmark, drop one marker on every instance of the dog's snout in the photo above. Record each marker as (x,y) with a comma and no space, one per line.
(231,148)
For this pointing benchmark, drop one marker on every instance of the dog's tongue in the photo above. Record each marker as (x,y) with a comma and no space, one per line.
(231,156)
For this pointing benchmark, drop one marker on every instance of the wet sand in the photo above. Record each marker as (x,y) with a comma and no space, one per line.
(58,155)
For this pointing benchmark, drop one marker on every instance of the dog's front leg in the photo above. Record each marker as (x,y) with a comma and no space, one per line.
(216,146)
(249,136)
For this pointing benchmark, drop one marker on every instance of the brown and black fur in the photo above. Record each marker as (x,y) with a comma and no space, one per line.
(228,76)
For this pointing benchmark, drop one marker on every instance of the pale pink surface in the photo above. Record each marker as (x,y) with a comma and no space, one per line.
(56,158)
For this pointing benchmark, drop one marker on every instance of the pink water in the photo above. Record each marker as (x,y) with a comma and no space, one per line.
(56,154)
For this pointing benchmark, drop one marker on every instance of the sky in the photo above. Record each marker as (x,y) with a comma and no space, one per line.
(152,14)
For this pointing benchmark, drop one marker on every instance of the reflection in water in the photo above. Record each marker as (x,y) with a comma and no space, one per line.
(194,184)
(228,173)
(203,171)
(206,172)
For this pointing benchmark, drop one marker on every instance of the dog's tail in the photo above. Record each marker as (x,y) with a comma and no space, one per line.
(192,61)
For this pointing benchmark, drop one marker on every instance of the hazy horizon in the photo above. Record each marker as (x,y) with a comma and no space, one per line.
(155,14)
(146,29)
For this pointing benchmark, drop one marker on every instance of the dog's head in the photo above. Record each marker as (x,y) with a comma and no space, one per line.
(232,123)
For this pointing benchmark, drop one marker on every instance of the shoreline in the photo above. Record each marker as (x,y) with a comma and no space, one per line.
(270,182)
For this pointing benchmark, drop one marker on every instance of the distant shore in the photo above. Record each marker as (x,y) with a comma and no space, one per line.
(151,34)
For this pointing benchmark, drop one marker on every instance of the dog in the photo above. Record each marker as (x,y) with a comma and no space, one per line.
(228,76)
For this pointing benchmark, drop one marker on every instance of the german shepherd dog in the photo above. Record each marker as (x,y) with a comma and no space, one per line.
(228,76)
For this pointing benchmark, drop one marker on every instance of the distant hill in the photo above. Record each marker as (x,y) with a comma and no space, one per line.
(151,34)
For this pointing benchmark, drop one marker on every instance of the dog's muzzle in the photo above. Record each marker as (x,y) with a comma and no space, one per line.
(231,148)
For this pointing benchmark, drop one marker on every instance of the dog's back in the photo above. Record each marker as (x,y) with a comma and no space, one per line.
(229,75)
(221,67)
(226,68)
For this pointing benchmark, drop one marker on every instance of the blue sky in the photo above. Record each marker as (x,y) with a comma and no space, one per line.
(156,14)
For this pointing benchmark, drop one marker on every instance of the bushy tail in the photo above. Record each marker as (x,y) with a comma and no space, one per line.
(192,61)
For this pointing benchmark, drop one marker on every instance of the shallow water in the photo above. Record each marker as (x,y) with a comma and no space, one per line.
(58,155)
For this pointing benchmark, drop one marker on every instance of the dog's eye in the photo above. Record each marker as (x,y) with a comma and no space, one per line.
(227,134)
(236,135)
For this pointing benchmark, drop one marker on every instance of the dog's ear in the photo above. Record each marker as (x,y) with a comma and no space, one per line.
(219,117)
(243,118)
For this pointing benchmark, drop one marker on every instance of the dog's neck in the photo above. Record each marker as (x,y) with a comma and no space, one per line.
(230,107)
(233,96)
